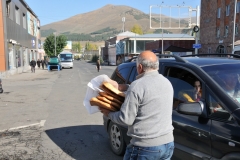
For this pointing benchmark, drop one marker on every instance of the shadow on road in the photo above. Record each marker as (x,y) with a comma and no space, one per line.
(83,142)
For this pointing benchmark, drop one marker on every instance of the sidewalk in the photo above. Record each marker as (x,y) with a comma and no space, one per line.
(25,75)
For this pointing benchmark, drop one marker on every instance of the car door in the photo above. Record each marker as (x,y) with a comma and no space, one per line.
(225,131)
(191,133)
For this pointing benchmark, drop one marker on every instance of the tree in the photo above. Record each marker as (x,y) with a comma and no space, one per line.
(137,29)
(89,46)
(49,44)
(77,47)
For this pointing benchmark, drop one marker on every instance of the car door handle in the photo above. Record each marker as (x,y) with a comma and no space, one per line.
(199,133)
(231,144)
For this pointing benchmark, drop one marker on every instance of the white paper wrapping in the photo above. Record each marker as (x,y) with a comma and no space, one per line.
(92,91)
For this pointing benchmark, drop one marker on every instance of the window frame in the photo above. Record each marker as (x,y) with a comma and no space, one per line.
(167,70)
(227,10)
(226,31)
(238,7)
(17,15)
(24,21)
(209,93)
(219,13)
(218,32)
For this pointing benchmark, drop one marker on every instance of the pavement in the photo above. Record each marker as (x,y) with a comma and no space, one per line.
(21,126)
(38,126)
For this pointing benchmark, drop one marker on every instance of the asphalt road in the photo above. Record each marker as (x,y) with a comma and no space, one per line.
(43,117)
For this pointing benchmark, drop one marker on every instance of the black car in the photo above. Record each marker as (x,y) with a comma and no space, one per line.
(1,89)
(201,130)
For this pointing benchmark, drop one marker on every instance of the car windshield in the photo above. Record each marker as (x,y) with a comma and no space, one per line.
(66,57)
(227,76)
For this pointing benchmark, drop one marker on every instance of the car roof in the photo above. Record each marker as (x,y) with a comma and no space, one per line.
(205,61)
(200,61)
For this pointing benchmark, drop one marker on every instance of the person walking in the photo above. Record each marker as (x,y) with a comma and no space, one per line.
(33,64)
(98,66)
(43,63)
(38,63)
(147,111)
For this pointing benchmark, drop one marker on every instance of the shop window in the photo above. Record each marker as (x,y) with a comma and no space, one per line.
(11,57)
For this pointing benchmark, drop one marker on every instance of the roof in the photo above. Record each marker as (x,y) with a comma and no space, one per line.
(160,36)
(127,34)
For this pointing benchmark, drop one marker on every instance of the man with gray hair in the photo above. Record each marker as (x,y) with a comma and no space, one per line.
(147,111)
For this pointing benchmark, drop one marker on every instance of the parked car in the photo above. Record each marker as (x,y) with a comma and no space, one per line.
(54,62)
(201,129)
(1,89)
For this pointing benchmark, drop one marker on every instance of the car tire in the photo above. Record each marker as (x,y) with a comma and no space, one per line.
(116,140)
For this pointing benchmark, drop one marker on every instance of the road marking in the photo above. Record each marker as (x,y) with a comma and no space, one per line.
(41,124)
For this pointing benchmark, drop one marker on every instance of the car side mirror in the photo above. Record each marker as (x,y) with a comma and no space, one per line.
(191,108)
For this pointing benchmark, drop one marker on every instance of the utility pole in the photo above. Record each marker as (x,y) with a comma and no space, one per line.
(55,42)
(234,24)
(123,20)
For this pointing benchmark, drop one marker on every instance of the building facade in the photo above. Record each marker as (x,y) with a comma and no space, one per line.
(19,37)
(217,25)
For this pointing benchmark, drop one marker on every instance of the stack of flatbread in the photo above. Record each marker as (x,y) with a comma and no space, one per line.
(111,98)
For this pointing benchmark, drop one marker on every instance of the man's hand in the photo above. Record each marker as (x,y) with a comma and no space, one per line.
(120,87)
(104,111)
(114,83)
(123,87)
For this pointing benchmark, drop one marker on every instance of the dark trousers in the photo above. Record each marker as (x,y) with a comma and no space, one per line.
(33,69)
(98,67)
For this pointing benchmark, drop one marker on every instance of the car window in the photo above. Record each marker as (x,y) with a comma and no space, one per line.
(216,109)
(133,75)
(228,78)
(187,88)
(120,75)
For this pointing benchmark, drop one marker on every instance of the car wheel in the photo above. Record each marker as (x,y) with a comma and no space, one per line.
(117,143)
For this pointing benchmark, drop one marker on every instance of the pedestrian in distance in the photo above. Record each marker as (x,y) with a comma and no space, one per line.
(38,63)
(147,111)
(33,64)
(98,65)
(43,63)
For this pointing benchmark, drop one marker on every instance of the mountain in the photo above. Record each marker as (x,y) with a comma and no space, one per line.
(106,20)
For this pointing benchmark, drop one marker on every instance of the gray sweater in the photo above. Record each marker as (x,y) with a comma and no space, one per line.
(147,110)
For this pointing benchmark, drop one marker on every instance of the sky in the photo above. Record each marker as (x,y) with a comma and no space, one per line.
(49,11)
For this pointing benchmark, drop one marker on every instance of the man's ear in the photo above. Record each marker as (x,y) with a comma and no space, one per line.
(140,68)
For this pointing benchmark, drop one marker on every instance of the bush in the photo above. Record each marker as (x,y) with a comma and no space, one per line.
(76,57)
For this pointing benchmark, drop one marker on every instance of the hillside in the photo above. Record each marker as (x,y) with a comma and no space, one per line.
(106,20)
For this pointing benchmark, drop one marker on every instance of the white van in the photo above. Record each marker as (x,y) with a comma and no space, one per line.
(66,59)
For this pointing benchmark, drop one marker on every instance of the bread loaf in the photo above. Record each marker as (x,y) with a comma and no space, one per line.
(109,97)
(114,104)
(106,86)
(96,102)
